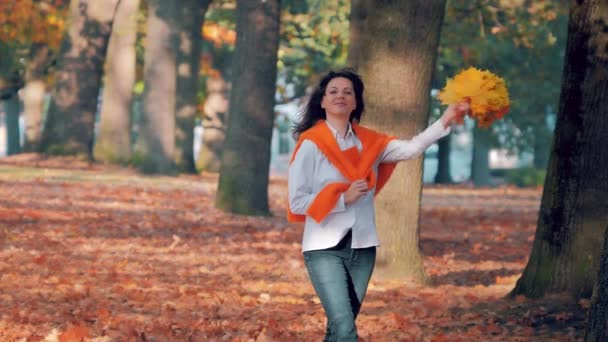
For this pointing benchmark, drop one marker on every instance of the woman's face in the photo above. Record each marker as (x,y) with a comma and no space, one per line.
(339,99)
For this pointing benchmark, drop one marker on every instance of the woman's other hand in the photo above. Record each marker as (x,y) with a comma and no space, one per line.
(455,113)
(356,189)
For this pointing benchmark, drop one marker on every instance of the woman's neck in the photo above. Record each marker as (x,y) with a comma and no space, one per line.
(339,124)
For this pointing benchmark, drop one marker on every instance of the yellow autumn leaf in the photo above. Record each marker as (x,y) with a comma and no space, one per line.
(486,92)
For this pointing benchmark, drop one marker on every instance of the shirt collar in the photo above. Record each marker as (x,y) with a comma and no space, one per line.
(349,130)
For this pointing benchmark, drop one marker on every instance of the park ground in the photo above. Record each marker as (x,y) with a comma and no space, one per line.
(98,253)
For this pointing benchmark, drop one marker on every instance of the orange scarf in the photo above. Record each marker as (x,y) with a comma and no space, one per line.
(351,163)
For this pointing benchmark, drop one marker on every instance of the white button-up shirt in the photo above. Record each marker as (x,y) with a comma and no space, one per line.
(311,171)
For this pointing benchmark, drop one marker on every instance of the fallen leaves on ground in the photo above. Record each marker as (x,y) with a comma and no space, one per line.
(100,254)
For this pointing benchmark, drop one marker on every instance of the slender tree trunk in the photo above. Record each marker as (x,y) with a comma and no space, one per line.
(156,139)
(574,207)
(443,161)
(70,122)
(397,58)
(113,142)
(243,184)
(33,96)
(12,109)
(214,125)
(188,77)
(542,142)
(597,325)
(480,165)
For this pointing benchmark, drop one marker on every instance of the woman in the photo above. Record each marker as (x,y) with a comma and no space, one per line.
(336,169)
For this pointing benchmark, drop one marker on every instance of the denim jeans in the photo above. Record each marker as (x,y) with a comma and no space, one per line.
(340,276)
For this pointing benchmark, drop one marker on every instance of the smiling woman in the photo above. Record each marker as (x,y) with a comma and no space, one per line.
(336,170)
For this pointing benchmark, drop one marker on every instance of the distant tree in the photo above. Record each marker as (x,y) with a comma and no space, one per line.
(155,146)
(398,49)
(443,175)
(192,14)
(244,170)
(29,41)
(218,48)
(574,208)
(113,141)
(34,92)
(214,120)
(69,125)
(480,163)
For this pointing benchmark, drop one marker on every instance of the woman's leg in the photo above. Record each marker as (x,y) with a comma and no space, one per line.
(360,268)
(328,272)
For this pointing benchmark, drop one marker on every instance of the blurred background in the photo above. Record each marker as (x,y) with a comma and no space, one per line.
(522,41)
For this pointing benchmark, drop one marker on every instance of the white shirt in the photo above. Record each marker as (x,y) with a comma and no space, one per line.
(311,171)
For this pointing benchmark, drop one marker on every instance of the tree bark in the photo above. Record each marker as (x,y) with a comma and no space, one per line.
(33,96)
(397,54)
(244,171)
(155,145)
(113,142)
(443,161)
(70,122)
(574,207)
(597,327)
(192,15)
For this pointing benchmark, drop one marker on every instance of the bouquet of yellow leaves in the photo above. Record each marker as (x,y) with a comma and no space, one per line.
(486,93)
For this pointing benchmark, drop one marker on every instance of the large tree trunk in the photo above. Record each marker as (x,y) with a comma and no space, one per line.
(243,183)
(574,208)
(156,136)
(70,122)
(443,175)
(597,327)
(397,58)
(214,125)
(480,165)
(192,15)
(33,96)
(12,109)
(113,141)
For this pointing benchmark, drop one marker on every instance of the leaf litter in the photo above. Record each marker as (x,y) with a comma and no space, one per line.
(105,254)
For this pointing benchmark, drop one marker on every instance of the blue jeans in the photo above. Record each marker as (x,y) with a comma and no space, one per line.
(340,276)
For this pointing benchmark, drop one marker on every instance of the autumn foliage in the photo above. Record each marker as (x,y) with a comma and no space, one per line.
(101,254)
(32,21)
(485,91)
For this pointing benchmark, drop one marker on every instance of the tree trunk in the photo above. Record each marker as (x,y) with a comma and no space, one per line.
(597,329)
(480,165)
(70,122)
(188,77)
(443,161)
(542,140)
(113,142)
(357,20)
(156,137)
(244,171)
(397,58)
(12,109)
(574,207)
(214,125)
(33,96)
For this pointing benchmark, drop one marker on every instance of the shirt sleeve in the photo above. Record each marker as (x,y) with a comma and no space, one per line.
(301,178)
(398,150)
